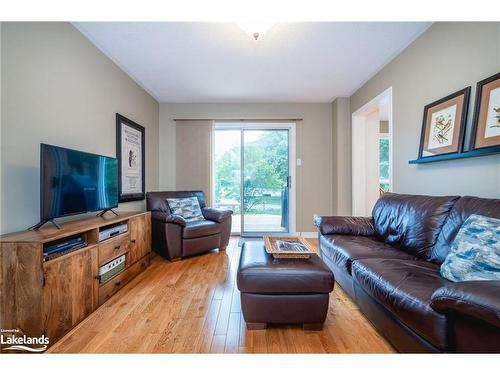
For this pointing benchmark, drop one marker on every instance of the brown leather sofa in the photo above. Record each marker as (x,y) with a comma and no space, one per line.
(389,265)
(174,238)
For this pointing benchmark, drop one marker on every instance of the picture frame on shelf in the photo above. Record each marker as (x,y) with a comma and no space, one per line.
(485,132)
(130,152)
(443,125)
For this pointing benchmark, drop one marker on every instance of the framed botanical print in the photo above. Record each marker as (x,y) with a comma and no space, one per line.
(486,123)
(443,125)
(130,151)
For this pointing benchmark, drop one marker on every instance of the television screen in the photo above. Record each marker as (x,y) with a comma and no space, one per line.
(74,182)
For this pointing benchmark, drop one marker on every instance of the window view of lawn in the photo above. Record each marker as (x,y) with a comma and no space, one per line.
(265,173)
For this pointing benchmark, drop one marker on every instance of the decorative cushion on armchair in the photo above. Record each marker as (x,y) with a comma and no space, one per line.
(187,208)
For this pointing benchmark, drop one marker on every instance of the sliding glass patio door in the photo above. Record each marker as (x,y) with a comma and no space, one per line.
(252,177)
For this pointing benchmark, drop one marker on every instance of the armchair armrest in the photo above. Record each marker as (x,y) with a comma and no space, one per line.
(168,218)
(357,226)
(216,215)
(477,299)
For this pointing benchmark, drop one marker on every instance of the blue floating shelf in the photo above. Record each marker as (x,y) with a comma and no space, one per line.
(457,155)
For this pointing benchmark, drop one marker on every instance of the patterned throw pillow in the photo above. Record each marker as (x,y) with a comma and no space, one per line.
(188,208)
(475,251)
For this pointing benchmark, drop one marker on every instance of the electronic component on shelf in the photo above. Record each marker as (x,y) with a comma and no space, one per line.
(112,231)
(110,269)
(60,248)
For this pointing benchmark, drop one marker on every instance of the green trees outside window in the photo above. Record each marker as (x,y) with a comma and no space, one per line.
(265,172)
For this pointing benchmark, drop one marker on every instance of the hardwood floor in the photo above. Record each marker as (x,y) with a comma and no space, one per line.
(193,306)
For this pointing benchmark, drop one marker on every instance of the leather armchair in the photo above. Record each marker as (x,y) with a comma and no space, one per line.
(174,238)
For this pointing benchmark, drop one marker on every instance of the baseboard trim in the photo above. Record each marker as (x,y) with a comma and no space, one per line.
(309,234)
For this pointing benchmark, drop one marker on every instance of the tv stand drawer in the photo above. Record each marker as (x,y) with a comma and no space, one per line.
(118,281)
(113,247)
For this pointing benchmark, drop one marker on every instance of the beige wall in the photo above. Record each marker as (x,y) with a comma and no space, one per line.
(341,143)
(314,147)
(193,140)
(58,88)
(384,127)
(444,59)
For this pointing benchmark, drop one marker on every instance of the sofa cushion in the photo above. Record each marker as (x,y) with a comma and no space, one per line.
(344,249)
(462,209)
(411,222)
(200,228)
(405,288)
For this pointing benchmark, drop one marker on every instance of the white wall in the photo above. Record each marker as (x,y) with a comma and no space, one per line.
(314,147)
(58,88)
(365,161)
(372,131)
(444,59)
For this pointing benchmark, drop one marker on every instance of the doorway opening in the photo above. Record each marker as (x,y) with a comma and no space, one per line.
(253,175)
(372,145)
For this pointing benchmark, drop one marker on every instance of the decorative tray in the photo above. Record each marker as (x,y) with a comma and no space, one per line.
(288,247)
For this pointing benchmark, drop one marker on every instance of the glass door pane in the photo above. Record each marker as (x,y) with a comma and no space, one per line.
(227,174)
(265,181)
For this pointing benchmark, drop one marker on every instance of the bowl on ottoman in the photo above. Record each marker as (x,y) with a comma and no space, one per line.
(284,291)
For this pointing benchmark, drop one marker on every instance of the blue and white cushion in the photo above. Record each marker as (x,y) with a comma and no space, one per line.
(188,208)
(475,251)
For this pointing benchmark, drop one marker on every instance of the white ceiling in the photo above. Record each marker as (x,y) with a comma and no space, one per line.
(218,62)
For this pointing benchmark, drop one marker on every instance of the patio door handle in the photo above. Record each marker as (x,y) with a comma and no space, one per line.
(289,182)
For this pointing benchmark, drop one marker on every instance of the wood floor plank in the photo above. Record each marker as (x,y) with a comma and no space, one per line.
(260,342)
(275,343)
(218,343)
(246,337)
(233,334)
(193,306)
(227,297)
(204,339)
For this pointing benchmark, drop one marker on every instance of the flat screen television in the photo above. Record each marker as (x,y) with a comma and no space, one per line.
(73,182)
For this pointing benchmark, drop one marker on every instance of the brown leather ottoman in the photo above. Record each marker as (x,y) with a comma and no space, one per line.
(290,291)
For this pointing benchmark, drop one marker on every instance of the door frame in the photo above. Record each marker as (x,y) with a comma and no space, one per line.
(359,123)
(263,125)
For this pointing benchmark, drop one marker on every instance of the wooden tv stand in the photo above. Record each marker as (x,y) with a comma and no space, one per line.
(51,297)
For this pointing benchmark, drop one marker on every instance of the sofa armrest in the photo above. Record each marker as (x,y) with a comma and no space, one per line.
(477,299)
(168,218)
(216,215)
(357,226)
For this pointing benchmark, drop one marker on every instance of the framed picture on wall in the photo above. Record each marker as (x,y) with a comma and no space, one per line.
(486,123)
(443,125)
(130,151)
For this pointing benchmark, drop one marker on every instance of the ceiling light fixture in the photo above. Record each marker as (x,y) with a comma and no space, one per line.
(255,29)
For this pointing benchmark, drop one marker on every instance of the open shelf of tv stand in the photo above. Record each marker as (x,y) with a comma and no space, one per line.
(69,228)
(51,297)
